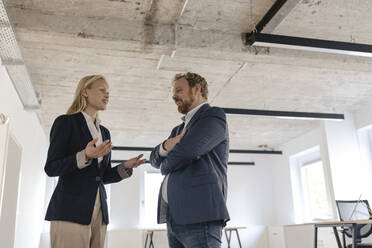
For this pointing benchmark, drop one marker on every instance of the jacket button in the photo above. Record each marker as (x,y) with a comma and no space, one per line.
(98,179)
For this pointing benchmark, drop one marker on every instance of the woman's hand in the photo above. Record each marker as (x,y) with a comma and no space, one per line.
(134,162)
(95,152)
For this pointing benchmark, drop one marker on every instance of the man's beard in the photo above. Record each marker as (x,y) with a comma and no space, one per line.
(185,105)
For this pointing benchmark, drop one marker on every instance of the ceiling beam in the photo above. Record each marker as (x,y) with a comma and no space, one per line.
(275,15)
(261,36)
(286,114)
(165,35)
(280,15)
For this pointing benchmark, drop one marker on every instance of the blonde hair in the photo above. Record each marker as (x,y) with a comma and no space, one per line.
(80,102)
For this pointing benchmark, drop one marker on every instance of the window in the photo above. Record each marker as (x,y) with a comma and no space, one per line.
(311,194)
(152,185)
(314,190)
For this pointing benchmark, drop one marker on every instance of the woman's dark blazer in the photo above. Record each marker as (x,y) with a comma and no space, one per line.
(74,196)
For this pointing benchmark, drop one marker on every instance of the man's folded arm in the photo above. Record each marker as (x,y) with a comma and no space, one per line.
(207,133)
(159,153)
(155,158)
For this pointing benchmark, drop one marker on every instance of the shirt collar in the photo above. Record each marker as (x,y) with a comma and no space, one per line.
(88,118)
(186,118)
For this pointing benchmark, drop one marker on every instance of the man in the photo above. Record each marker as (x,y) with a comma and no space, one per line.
(192,198)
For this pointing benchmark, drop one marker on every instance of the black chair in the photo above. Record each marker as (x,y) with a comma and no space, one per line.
(355,210)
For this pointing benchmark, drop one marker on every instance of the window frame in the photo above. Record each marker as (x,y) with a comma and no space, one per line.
(297,162)
(144,223)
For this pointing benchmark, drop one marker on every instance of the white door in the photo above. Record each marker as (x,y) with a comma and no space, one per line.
(10,192)
(3,146)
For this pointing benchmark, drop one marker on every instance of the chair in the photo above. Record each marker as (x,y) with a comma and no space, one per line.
(355,210)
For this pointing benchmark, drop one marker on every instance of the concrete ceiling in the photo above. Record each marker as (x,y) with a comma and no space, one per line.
(140,44)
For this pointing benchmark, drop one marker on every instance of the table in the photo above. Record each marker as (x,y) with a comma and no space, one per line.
(228,237)
(334,224)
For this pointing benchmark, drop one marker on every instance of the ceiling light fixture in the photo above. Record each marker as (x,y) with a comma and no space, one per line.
(306,44)
(286,114)
(229,163)
(149,149)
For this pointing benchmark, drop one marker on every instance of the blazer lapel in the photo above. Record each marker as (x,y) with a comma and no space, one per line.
(84,128)
(104,137)
(180,128)
(197,115)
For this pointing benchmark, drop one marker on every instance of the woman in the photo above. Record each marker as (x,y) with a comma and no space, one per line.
(80,155)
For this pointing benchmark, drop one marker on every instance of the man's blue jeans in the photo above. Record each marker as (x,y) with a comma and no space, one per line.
(200,235)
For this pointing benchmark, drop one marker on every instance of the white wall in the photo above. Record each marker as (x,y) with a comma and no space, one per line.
(250,199)
(363,116)
(348,174)
(284,211)
(363,123)
(26,128)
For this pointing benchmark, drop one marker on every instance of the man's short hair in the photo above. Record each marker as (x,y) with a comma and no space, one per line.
(193,79)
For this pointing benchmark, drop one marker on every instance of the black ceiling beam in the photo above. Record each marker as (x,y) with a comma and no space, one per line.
(261,36)
(229,163)
(129,148)
(275,15)
(285,114)
(270,15)
(300,43)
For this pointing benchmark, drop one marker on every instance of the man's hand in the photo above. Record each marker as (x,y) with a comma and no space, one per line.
(99,151)
(171,142)
(134,162)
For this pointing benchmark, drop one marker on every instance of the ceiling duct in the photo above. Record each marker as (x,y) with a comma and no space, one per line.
(11,58)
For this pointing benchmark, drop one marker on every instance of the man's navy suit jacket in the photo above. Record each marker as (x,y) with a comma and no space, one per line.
(197,184)
(75,194)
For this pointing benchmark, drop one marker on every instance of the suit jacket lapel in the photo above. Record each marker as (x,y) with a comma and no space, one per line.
(104,137)
(197,115)
(180,128)
(84,128)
